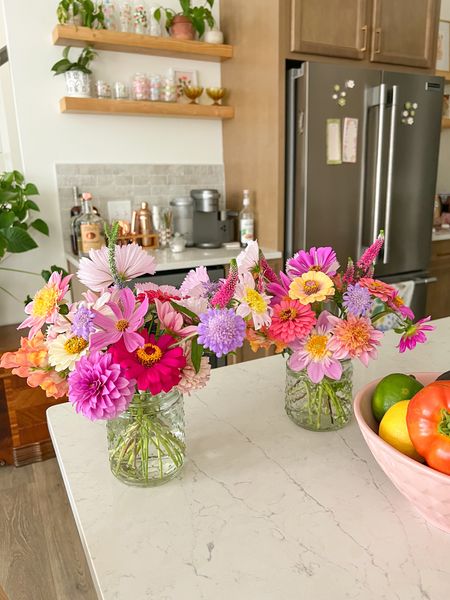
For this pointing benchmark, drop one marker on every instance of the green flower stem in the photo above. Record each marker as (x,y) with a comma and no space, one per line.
(20,271)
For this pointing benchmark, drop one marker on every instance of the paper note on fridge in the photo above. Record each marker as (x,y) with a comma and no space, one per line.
(349,140)
(334,156)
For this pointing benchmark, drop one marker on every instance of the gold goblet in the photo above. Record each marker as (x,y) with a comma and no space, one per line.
(216,94)
(192,92)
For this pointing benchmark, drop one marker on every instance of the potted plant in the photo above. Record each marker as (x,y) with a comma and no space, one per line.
(78,73)
(190,20)
(81,12)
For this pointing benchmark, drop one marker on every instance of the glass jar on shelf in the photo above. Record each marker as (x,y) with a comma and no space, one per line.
(169,87)
(126,17)
(140,87)
(109,10)
(103,89)
(140,18)
(121,91)
(154,26)
(155,87)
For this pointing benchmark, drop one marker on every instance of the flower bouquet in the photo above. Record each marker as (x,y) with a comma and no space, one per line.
(322,317)
(127,355)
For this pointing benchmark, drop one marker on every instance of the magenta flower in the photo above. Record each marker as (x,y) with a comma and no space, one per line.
(99,388)
(369,257)
(279,291)
(226,291)
(316,259)
(126,320)
(414,334)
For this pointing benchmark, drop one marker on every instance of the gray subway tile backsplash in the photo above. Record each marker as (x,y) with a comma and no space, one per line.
(155,184)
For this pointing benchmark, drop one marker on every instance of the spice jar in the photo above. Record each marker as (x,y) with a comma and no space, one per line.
(103,89)
(169,87)
(155,87)
(140,87)
(125,17)
(140,19)
(121,90)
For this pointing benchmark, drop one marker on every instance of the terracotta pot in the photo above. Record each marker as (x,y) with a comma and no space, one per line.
(182,28)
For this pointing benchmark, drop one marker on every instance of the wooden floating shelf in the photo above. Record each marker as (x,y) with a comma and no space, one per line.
(445,123)
(117,41)
(146,108)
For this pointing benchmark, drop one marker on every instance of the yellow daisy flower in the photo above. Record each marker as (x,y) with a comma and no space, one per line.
(313,286)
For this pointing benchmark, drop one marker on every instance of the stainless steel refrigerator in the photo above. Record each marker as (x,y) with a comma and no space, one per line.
(362,153)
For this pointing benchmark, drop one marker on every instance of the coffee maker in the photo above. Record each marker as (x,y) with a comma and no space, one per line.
(212,227)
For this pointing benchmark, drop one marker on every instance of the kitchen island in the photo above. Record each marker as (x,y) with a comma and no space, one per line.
(263,510)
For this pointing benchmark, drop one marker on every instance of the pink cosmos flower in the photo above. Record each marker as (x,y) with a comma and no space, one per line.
(132,261)
(354,337)
(279,291)
(123,325)
(316,259)
(398,305)
(196,283)
(415,334)
(171,320)
(291,321)
(314,354)
(381,290)
(44,308)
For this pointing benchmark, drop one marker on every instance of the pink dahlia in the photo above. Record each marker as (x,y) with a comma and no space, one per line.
(314,354)
(155,365)
(354,337)
(44,308)
(316,259)
(131,260)
(190,379)
(290,321)
(99,388)
(127,318)
(415,334)
(379,289)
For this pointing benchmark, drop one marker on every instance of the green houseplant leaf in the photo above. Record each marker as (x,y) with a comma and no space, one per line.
(18,240)
(7,219)
(40,225)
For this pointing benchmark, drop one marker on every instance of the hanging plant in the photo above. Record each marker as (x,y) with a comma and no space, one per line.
(83,12)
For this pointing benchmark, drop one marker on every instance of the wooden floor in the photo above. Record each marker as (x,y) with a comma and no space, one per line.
(41,557)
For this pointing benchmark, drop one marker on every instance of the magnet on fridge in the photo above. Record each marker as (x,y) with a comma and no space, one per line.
(408,105)
(342,101)
(350,84)
(335,96)
(415,105)
(350,140)
(334,148)
(336,87)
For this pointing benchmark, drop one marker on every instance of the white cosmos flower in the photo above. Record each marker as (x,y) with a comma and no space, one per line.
(253,303)
(249,257)
(65,350)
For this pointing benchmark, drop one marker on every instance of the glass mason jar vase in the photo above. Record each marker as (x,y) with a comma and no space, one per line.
(146,442)
(324,406)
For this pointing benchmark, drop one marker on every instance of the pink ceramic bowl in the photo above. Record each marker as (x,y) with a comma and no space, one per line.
(427,489)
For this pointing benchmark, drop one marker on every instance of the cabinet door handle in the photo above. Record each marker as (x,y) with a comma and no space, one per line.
(364,32)
(377,40)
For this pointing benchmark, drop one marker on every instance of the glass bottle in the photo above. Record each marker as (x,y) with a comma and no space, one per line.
(89,227)
(74,212)
(246,221)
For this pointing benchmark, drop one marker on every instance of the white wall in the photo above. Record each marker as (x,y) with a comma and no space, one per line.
(443,177)
(48,137)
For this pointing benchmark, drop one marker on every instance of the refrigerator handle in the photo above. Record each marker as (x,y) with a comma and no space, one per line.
(390,173)
(379,163)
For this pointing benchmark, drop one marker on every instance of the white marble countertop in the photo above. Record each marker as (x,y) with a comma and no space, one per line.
(440,234)
(191,257)
(264,510)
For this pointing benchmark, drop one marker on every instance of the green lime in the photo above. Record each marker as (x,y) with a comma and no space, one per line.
(392,389)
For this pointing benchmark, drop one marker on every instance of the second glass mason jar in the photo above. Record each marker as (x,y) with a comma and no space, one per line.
(140,86)
(146,442)
(323,406)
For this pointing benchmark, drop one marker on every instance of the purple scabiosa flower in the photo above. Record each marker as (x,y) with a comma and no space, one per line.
(221,330)
(82,325)
(357,300)
(367,260)
(316,259)
(98,387)
(226,291)
(414,334)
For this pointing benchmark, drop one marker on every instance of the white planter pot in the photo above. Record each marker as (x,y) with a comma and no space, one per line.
(78,84)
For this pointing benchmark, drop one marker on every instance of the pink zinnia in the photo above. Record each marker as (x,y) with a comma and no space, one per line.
(131,260)
(155,365)
(414,335)
(378,288)
(314,354)
(354,337)
(99,388)
(290,321)
(123,325)
(316,259)
(153,291)
(44,308)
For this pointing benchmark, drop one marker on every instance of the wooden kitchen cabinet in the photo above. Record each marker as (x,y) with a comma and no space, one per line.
(330,27)
(438,293)
(404,32)
(396,32)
